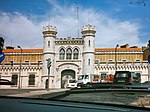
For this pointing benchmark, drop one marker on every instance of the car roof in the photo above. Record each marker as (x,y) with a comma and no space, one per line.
(122,71)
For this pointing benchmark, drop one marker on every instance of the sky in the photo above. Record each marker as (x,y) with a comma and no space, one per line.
(116,21)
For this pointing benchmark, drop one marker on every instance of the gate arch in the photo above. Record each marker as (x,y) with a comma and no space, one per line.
(65,75)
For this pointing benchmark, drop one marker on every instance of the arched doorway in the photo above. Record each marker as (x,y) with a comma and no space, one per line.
(65,75)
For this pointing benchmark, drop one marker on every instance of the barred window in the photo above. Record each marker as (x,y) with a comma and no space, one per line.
(32,79)
(14,79)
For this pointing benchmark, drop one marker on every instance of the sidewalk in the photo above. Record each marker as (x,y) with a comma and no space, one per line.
(44,94)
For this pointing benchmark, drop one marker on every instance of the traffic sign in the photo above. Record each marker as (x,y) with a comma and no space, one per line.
(148,58)
(2,56)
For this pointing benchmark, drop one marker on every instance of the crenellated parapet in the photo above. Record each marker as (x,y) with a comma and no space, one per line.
(69,41)
(49,31)
(88,30)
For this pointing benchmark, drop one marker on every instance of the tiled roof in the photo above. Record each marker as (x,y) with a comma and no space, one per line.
(23,50)
(118,49)
(96,50)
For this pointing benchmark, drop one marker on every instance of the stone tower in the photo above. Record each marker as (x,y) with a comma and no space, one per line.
(88,35)
(49,34)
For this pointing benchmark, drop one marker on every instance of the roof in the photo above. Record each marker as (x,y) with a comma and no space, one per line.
(23,50)
(118,49)
(96,50)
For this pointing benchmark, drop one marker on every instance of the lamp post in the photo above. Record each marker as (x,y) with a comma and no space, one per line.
(49,62)
(116,57)
(19,85)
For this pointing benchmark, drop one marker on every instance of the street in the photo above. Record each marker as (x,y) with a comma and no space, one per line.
(130,97)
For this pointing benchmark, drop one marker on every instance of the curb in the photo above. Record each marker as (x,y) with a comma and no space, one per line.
(41,94)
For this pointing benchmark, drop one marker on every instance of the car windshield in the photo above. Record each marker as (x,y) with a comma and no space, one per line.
(118,75)
(95,51)
(80,77)
(86,76)
(72,81)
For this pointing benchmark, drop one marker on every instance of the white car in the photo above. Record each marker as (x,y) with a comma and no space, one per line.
(72,83)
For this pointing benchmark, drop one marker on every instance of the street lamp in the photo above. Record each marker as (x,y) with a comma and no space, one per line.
(116,57)
(49,62)
(19,85)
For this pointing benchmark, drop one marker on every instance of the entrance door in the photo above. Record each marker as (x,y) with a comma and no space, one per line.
(65,75)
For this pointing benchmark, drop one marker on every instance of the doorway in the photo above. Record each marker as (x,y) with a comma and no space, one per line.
(65,75)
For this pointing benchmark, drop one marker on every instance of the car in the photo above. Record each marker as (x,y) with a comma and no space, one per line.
(146,83)
(5,82)
(72,83)
(126,77)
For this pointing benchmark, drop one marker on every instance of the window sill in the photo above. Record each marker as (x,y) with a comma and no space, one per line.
(31,85)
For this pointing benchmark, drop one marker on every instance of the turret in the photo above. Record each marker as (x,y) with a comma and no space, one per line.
(49,34)
(88,35)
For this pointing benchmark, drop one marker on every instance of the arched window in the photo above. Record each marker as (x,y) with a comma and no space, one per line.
(62,54)
(89,43)
(75,53)
(89,62)
(49,43)
(68,53)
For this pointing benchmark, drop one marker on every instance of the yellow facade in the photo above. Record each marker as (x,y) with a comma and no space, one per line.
(121,54)
(27,55)
(101,54)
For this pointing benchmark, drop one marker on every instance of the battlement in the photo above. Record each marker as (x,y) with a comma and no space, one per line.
(49,28)
(69,40)
(88,30)
(49,31)
(88,27)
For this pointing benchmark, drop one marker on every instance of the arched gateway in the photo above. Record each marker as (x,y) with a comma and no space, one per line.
(65,75)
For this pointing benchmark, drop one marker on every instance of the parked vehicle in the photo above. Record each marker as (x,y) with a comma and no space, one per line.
(146,83)
(87,79)
(125,77)
(72,83)
(5,82)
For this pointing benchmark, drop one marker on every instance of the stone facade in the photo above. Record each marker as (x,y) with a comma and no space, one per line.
(128,58)
(69,57)
(23,68)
